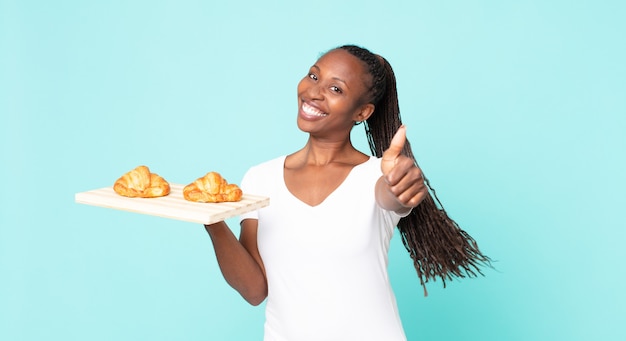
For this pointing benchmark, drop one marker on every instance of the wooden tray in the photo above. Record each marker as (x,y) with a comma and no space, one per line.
(173,206)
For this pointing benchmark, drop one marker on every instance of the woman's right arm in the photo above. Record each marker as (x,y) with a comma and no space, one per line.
(239,260)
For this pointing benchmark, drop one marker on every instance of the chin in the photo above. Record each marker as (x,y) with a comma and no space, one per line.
(302,125)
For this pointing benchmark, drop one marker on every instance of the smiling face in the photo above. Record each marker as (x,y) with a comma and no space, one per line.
(334,94)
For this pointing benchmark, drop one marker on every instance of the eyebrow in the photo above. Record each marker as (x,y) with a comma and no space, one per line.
(335,78)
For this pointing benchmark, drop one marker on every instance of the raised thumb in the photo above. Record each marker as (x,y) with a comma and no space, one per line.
(395,149)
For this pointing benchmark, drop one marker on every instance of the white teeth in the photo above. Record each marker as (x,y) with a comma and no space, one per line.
(309,110)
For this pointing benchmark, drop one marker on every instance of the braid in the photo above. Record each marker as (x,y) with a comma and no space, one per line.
(435,242)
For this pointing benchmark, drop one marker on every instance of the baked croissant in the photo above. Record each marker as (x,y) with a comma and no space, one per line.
(212,188)
(140,183)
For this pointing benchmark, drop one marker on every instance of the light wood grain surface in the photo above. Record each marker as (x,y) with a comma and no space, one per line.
(172,206)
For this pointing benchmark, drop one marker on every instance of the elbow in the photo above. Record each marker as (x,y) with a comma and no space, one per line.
(255,299)
(254,294)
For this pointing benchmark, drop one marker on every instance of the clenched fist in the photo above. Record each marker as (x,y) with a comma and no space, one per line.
(403,178)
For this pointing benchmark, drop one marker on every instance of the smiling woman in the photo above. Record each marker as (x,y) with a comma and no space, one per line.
(515,111)
(319,252)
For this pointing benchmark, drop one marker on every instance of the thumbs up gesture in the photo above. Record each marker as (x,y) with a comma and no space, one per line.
(401,186)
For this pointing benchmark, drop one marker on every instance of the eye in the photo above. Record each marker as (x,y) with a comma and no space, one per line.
(336,89)
(312,76)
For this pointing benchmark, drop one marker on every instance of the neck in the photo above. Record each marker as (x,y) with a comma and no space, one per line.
(319,152)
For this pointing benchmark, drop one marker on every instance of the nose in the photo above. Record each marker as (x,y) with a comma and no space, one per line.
(315,91)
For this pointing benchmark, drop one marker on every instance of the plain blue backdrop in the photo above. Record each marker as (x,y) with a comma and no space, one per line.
(516,112)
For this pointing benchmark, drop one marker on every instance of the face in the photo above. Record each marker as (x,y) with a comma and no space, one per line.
(333,94)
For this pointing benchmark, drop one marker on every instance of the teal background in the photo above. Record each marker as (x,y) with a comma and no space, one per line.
(516,111)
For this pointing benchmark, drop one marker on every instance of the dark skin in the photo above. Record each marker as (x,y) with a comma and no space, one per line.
(331,98)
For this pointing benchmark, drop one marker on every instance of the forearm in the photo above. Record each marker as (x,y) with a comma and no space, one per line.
(239,268)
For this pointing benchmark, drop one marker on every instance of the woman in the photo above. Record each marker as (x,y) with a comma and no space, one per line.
(318,253)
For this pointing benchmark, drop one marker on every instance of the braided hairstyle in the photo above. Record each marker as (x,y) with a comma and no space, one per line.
(435,242)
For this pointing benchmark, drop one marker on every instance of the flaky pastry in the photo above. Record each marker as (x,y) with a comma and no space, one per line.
(212,188)
(140,183)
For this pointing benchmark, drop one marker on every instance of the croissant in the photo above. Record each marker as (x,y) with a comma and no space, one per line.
(140,183)
(212,188)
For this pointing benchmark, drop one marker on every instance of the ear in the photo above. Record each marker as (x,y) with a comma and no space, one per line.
(364,112)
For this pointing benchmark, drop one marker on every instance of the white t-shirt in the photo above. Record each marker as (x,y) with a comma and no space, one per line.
(326,265)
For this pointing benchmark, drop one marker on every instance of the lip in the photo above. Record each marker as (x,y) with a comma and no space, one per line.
(311,112)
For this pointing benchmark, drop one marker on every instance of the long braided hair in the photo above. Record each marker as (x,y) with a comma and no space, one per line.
(435,242)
